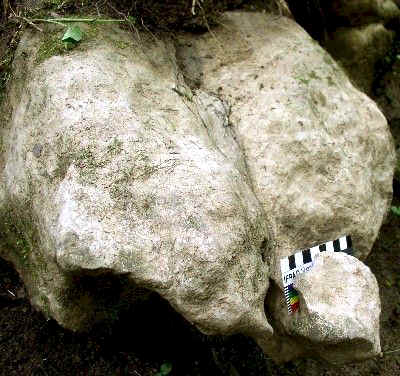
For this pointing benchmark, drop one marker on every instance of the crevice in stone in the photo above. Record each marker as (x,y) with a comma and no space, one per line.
(271,295)
(263,248)
(194,79)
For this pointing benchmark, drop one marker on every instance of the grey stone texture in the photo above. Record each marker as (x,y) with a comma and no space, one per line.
(301,125)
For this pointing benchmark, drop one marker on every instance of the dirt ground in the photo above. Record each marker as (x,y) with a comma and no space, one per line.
(153,335)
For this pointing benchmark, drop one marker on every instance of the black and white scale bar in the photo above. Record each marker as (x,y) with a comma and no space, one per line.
(302,261)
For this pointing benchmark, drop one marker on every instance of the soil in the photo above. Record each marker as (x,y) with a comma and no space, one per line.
(154,336)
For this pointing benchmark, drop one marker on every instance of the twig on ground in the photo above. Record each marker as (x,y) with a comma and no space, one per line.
(391,351)
(62,21)
(126,19)
(26,20)
(90,20)
(218,44)
(5,8)
(97,9)
(194,5)
(49,21)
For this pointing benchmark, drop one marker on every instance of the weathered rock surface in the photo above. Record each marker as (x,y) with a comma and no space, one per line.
(339,299)
(311,140)
(117,174)
(114,169)
(363,37)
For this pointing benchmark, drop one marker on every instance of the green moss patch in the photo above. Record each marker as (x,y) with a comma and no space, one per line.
(18,232)
(88,161)
(8,43)
(5,74)
(115,147)
(51,46)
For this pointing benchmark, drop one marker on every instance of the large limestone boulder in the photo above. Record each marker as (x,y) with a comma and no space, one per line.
(303,127)
(115,173)
(117,170)
(362,38)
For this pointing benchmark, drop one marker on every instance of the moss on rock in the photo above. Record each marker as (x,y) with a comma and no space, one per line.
(50,46)
(18,233)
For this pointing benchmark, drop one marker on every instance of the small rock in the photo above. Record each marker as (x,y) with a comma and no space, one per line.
(37,150)
(339,307)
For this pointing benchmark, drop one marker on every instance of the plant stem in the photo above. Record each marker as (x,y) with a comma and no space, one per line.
(59,20)
(40,20)
(391,352)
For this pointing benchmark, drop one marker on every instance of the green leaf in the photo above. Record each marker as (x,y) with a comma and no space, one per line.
(396,210)
(132,20)
(72,35)
(165,368)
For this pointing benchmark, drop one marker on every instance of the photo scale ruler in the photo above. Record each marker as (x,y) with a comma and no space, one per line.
(303,261)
